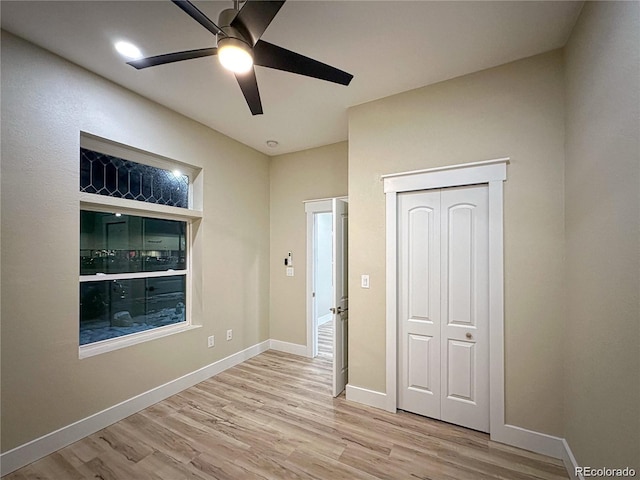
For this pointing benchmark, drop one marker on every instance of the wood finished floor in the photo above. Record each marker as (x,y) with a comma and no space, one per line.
(325,341)
(273,417)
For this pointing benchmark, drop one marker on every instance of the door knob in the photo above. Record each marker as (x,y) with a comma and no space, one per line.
(469,336)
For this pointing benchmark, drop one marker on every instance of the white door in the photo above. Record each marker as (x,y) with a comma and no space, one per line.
(340,307)
(419,302)
(443,305)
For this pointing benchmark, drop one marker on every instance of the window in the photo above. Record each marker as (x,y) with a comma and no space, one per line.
(115,177)
(135,246)
(117,254)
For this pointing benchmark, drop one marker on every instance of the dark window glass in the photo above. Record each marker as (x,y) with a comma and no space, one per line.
(115,177)
(112,243)
(113,308)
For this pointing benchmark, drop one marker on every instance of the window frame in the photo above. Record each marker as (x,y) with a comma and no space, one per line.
(101,203)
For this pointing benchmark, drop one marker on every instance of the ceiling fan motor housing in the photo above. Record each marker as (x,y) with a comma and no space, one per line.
(224,20)
(234,51)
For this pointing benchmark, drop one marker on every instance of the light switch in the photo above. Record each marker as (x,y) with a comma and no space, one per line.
(364,281)
(289,271)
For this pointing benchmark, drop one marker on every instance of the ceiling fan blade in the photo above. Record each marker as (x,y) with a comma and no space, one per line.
(249,86)
(268,55)
(254,18)
(191,10)
(172,57)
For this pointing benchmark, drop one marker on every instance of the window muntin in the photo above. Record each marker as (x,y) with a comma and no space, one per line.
(111,176)
(113,308)
(120,243)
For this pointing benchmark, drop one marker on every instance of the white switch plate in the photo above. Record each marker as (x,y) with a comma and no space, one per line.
(364,281)
(289,271)
(211,341)
(229,334)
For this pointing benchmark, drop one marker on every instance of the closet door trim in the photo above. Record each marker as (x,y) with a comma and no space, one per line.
(493,173)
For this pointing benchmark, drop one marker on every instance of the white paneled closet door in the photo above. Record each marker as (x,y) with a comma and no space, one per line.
(419,302)
(443,294)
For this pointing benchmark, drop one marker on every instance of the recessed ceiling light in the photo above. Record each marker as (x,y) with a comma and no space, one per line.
(128,50)
(272,143)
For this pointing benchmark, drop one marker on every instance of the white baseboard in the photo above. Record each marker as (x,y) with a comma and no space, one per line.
(366,397)
(539,443)
(529,440)
(49,443)
(286,347)
(570,462)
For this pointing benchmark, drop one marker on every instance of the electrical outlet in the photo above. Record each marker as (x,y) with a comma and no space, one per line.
(211,341)
(229,334)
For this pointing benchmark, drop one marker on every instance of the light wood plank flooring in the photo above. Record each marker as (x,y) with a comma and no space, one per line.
(273,417)
(325,341)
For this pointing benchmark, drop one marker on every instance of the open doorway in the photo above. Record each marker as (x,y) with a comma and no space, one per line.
(322,281)
(319,273)
(327,287)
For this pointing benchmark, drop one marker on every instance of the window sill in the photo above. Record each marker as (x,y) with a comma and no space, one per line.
(97,348)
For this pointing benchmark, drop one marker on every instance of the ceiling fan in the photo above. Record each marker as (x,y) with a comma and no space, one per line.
(239,48)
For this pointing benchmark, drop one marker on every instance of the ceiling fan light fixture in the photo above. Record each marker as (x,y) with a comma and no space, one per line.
(235,55)
(128,50)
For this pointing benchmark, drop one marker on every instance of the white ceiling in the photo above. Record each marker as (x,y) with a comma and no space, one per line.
(389,47)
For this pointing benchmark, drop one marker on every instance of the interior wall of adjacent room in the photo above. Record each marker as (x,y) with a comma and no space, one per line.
(295,177)
(513,110)
(46,103)
(602,397)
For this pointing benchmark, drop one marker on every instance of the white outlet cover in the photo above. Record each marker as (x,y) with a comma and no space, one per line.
(364,281)
(289,271)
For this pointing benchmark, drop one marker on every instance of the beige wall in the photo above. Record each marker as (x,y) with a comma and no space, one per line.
(515,110)
(295,177)
(602,396)
(46,103)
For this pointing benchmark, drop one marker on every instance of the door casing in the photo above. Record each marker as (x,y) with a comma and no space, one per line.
(493,173)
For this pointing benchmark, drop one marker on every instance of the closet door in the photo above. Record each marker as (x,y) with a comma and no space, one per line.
(443,305)
(465,306)
(419,302)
